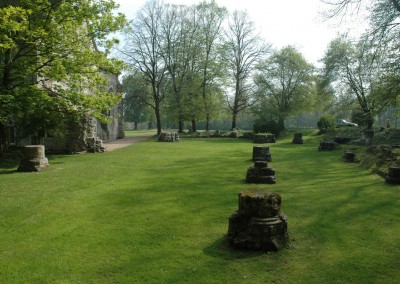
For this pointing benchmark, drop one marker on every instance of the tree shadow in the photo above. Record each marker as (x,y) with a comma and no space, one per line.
(8,166)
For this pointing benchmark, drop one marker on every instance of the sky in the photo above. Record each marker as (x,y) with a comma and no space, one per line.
(280,23)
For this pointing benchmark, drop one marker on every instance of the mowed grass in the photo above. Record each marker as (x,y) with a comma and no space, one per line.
(158,213)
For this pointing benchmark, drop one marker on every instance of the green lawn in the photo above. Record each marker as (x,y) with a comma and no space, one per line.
(157,213)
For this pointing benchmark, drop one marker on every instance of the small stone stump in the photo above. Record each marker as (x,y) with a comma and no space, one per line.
(298,138)
(260,173)
(168,137)
(393,175)
(349,156)
(327,145)
(259,223)
(33,159)
(261,153)
(95,145)
(264,138)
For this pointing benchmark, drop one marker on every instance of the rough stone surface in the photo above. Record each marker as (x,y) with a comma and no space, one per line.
(297,138)
(95,145)
(260,173)
(168,137)
(264,138)
(393,175)
(33,159)
(349,156)
(259,223)
(261,153)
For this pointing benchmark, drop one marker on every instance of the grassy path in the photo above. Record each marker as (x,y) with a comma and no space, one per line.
(157,213)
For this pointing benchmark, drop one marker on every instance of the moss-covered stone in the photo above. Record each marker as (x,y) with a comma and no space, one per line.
(259,223)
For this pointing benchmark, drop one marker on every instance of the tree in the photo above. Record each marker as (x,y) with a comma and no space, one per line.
(354,68)
(136,105)
(180,53)
(285,80)
(143,52)
(210,19)
(385,28)
(382,11)
(325,123)
(243,49)
(50,58)
(383,16)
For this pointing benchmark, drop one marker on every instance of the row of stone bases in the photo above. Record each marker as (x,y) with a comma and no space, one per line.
(259,224)
(168,137)
(392,177)
(260,172)
(34,160)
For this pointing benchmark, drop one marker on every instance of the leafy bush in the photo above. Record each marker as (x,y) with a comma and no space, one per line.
(387,136)
(267,126)
(325,123)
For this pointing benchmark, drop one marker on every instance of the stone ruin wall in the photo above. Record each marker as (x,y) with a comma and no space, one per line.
(114,129)
(88,127)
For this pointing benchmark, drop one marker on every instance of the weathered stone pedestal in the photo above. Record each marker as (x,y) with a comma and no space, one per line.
(393,175)
(327,146)
(33,159)
(261,153)
(168,137)
(260,173)
(259,223)
(298,138)
(264,138)
(349,156)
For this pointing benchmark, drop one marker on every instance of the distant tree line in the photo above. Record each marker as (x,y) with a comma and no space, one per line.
(198,63)
(362,74)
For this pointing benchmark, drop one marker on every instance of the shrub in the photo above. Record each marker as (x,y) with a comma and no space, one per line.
(267,126)
(325,123)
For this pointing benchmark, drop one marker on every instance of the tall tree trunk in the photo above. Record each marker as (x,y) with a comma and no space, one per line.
(158,118)
(181,124)
(136,125)
(208,122)
(6,85)
(234,117)
(194,126)
(4,139)
(281,124)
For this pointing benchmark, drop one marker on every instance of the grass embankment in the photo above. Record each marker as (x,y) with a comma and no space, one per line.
(157,213)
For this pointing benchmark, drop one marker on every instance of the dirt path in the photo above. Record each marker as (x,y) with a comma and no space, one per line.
(120,143)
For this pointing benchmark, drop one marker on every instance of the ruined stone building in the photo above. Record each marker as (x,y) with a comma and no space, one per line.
(73,138)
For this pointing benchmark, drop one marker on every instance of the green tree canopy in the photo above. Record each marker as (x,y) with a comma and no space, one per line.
(355,69)
(136,96)
(244,48)
(50,58)
(285,80)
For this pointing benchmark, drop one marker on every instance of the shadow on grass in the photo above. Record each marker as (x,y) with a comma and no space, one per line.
(221,249)
(8,166)
(56,159)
